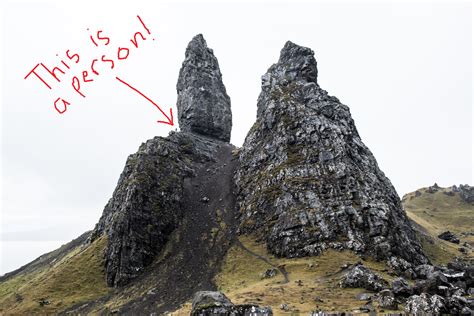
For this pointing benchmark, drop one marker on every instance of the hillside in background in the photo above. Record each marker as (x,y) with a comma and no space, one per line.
(436,210)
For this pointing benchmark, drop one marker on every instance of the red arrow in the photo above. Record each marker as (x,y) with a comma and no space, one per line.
(168,121)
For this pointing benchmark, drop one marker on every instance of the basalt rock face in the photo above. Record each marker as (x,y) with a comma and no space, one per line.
(147,204)
(145,207)
(306,181)
(203,104)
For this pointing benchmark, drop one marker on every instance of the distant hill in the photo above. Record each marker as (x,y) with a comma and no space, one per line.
(436,210)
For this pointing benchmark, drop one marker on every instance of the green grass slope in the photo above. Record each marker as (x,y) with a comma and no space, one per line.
(76,277)
(434,213)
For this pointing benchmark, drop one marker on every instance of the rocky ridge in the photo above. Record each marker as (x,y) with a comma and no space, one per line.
(306,182)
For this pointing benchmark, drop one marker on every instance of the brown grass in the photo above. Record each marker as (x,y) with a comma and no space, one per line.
(76,278)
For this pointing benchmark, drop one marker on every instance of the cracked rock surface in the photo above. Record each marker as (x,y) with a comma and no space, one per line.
(306,180)
(203,104)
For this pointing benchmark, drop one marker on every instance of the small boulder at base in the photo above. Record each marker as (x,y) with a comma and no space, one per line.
(216,303)
(400,287)
(362,277)
(425,304)
(386,300)
(449,236)
(210,298)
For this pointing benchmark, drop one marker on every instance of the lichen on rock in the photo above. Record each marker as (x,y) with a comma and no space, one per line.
(306,180)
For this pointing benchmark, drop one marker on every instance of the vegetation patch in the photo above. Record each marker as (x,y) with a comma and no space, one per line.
(77,277)
(436,213)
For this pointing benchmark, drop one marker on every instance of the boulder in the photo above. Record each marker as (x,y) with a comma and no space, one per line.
(362,277)
(400,287)
(436,283)
(207,303)
(386,300)
(210,298)
(467,193)
(449,236)
(461,271)
(269,273)
(423,271)
(425,304)
(401,267)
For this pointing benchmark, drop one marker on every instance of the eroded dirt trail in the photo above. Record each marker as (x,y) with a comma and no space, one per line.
(193,255)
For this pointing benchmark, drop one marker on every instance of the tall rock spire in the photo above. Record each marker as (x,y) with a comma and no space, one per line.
(306,181)
(203,104)
(147,204)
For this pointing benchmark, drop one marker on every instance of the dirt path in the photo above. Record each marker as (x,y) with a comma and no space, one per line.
(266,260)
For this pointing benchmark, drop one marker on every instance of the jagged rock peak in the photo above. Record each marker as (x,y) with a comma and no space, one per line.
(307,182)
(203,104)
(296,65)
(299,62)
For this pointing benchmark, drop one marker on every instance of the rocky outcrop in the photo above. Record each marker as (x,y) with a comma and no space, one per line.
(437,290)
(467,193)
(210,298)
(449,236)
(425,304)
(203,104)
(400,287)
(362,277)
(386,300)
(306,181)
(147,204)
(216,303)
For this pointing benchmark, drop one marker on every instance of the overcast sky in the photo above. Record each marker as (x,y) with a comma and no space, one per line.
(405,71)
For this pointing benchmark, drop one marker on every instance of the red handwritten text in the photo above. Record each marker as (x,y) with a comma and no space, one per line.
(50,77)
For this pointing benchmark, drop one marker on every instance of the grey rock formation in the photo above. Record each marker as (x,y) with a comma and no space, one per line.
(145,206)
(203,104)
(210,298)
(400,287)
(425,304)
(386,300)
(206,303)
(362,277)
(401,267)
(433,284)
(449,236)
(269,273)
(307,182)
(467,193)
(423,271)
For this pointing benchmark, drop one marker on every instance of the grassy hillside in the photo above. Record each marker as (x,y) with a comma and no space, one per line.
(74,274)
(434,213)
(313,282)
(77,277)
(239,279)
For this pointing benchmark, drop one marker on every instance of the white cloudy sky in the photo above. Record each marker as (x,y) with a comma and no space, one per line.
(404,69)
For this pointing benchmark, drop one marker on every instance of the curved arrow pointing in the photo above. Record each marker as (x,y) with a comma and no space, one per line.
(169,119)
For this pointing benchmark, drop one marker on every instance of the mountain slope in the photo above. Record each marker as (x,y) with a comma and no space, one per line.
(72,277)
(436,210)
(300,218)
